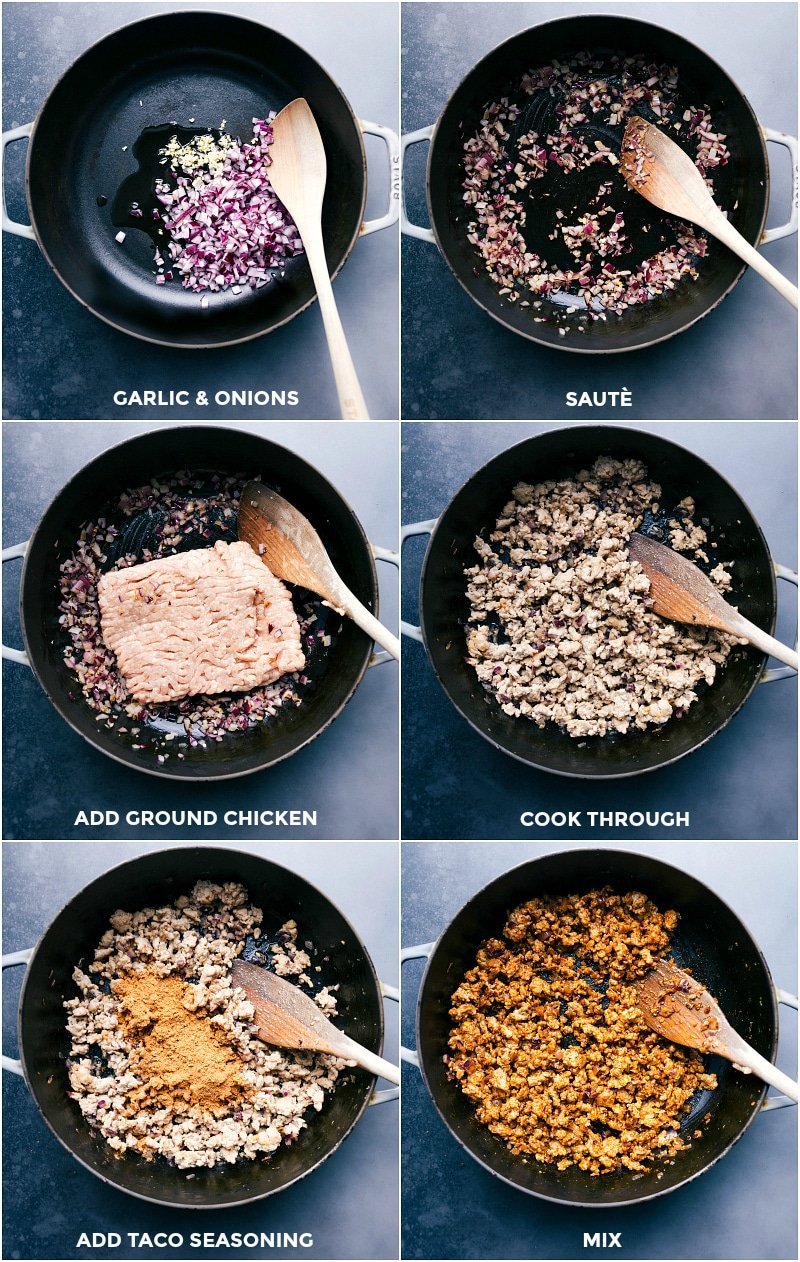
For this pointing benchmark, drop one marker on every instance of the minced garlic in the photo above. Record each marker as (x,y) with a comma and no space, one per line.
(202,153)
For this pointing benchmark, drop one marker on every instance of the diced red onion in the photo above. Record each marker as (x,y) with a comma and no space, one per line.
(233,229)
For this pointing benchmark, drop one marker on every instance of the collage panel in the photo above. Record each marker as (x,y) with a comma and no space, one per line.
(518,956)
(98,745)
(544,697)
(530,267)
(399,817)
(146,285)
(95,1165)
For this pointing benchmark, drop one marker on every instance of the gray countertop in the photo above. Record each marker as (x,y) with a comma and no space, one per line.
(60,361)
(349,1203)
(50,772)
(745,1207)
(742,784)
(457,362)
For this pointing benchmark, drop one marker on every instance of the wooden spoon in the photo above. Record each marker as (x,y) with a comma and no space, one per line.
(287,1017)
(288,543)
(680,591)
(656,167)
(677,1007)
(297,173)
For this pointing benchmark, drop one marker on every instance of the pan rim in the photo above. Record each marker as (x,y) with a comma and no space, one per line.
(591,775)
(594,852)
(232,18)
(197,851)
(560,344)
(159,769)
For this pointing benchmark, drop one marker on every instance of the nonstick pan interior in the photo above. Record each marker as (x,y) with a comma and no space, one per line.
(476,507)
(174,67)
(333,674)
(161,877)
(742,186)
(709,939)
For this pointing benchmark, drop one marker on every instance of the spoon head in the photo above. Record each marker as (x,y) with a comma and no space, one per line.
(286,541)
(298,167)
(679,589)
(285,1015)
(679,1008)
(654,166)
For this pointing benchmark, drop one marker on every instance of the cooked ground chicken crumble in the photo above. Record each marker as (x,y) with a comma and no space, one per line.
(560,628)
(549,1045)
(196,939)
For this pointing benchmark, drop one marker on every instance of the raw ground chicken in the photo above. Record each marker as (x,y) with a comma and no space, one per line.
(560,628)
(190,513)
(549,1046)
(196,939)
(206,621)
(593,97)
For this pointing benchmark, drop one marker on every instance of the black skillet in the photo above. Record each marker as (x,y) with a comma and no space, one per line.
(742,187)
(561,453)
(710,939)
(333,674)
(202,65)
(147,881)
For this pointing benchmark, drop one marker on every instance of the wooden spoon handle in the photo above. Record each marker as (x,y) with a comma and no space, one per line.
(767,643)
(766,1071)
(351,400)
(368,622)
(373,1063)
(734,240)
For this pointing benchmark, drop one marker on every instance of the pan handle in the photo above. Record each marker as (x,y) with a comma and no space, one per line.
(771,234)
(780,1101)
(781,672)
(790,143)
(10,1063)
(392,142)
(417,528)
(15,1066)
(393,558)
(391,1093)
(406,226)
(9,225)
(15,655)
(427,527)
(410,1056)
